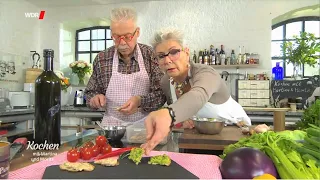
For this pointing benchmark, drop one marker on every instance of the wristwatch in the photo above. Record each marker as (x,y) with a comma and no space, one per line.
(172,115)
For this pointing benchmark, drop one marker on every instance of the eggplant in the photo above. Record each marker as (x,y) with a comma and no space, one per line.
(246,163)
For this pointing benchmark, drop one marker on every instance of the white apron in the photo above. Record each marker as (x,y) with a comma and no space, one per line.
(231,110)
(121,88)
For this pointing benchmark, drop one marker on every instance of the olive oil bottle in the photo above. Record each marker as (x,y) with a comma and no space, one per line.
(47,104)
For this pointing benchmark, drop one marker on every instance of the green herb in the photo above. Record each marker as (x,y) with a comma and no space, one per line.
(312,141)
(313,132)
(125,154)
(294,135)
(310,116)
(307,157)
(163,160)
(136,155)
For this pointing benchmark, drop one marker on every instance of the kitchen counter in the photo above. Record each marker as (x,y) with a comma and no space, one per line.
(10,112)
(192,139)
(73,108)
(264,113)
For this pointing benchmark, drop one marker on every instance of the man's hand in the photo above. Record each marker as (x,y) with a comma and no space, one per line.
(188,124)
(131,106)
(157,125)
(98,101)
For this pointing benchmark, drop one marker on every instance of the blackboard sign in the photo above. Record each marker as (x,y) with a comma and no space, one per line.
(282,89)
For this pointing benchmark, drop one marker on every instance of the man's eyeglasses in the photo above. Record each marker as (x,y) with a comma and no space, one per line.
(173,54)
(126,38)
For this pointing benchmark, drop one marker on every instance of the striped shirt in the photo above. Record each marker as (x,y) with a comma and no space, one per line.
(102,72)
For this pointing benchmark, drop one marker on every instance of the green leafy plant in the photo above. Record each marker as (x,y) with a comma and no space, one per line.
(302,50)
(310,116)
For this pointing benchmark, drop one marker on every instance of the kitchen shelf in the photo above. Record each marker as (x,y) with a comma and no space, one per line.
(237,66)
(90,126)
(16,118)
(18,131)
(83,134)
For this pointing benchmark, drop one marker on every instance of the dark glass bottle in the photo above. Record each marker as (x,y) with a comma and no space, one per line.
(217,57)
(47,104)
(212,56)
(222,57)
(195,59)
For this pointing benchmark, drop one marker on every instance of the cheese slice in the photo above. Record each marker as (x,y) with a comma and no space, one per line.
(76,166)
(107,162)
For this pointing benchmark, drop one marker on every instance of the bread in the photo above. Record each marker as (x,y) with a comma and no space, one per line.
(76,166)
(107,162)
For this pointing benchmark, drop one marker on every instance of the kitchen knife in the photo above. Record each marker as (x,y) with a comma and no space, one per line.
(17,146)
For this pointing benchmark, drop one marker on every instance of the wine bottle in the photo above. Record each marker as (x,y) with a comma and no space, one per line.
(47,104)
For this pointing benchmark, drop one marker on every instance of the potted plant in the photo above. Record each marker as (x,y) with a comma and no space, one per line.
(81,68)
(302,50)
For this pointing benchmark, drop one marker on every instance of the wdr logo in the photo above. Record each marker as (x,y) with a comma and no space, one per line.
(35,15)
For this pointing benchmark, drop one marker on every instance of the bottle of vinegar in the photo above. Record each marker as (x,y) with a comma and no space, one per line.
(47,104)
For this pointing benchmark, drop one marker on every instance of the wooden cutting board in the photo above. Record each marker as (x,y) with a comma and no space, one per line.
(126,170)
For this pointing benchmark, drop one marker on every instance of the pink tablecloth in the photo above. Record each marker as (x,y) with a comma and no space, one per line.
(202,166)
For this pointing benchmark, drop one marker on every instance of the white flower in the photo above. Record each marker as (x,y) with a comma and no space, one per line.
(81,65)
(59,74)
(73,64)
(81,62)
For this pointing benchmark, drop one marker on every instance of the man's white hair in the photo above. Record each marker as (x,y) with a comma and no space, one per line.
(123,14)
(166,35)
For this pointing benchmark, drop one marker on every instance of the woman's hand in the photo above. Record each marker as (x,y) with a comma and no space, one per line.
(157,125)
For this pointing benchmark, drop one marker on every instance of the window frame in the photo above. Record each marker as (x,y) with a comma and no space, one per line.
(77,52)
(284,24)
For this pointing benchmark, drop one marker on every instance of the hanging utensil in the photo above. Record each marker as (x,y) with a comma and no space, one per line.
(35,59)
(224,74)
(100,125)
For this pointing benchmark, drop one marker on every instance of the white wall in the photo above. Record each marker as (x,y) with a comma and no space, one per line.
(18,36)
(231,23)
(67,46)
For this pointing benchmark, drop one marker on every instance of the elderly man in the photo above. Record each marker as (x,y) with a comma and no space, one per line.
(126,77)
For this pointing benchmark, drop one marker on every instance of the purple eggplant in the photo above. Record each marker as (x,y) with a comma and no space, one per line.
(246,163)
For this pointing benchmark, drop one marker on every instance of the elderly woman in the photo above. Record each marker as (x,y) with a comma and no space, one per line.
(191,90)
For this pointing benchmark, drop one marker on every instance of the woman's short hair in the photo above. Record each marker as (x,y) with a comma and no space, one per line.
(166,35)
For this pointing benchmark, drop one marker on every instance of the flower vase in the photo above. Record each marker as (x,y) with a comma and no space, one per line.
(81,79)
(65,95)
(297,71)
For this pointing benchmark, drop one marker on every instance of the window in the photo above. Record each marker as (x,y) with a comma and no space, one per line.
(284,31)
(91,41)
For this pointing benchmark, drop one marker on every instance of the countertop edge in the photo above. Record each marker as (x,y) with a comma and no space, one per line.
(13,112)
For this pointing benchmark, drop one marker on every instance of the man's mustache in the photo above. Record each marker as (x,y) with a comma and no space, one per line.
(123,47)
